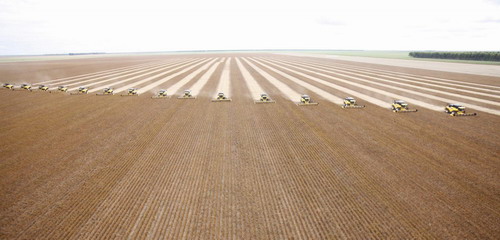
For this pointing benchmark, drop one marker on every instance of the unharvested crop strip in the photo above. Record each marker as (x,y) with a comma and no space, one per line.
(148,71)
(151,78)
(152,85)
(420,76)
(421,80)
(354,93)
(202,81)
(283,88)
(99,73)
(292,94)
(414,101)
(224,81)
(104,75)
(339,72)
(174,88)
(252,84)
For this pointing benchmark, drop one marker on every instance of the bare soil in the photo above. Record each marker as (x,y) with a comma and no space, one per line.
(90,167)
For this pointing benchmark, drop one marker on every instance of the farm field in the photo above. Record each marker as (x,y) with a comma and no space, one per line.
(392,55)
(102,167)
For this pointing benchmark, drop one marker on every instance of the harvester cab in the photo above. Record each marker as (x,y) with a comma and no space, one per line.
(350,102)
(26,86)
(131,92)
(161,94)
(62,89)
(106,92)
(8,86)
(400,106)
(457,110)
(187,95)
(264,98)
(43,87)
(221,97)
(305,100)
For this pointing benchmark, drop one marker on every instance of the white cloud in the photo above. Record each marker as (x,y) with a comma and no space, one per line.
(57,26)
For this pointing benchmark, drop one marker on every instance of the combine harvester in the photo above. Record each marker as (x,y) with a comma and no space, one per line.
(131,92)
(400,106)
(8,86)
(62,89)
(264,98)
(221,98)
(43,88)
(457,110)
(350,103)
(187,95)
(305,100)
(26,86)
(81,91)
(106,92)
(162,94)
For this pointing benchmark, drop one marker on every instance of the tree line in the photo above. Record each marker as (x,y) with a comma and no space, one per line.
(478,56)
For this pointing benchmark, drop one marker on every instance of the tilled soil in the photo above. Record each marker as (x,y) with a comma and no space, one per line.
(132,167)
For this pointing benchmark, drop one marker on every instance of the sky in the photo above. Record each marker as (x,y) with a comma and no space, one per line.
(64,26)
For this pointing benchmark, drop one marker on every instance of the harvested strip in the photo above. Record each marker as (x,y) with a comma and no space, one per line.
(399,79)
(254,87)
(196,88)
(119,74)
(224,82)
(358,94)
(289,93)
(158,83)
(428,77)
(416,102)
(144,72)
(151,77)
(338,72)
(95,73)
(73,79)
(328,96)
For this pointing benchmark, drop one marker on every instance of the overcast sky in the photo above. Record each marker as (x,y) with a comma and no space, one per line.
(62,26)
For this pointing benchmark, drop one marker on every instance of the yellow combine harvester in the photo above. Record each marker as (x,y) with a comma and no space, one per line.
(264,98)
(106,92)
(8,86)
(400,106)
(457,110)
(131,92)
(221,98)
(162,94)
(187,95)
(62,89)
(81,91)
(26,86)
(43,87)
(350,102)
(305,100)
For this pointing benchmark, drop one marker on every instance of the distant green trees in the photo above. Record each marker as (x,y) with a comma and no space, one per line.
(478,56)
